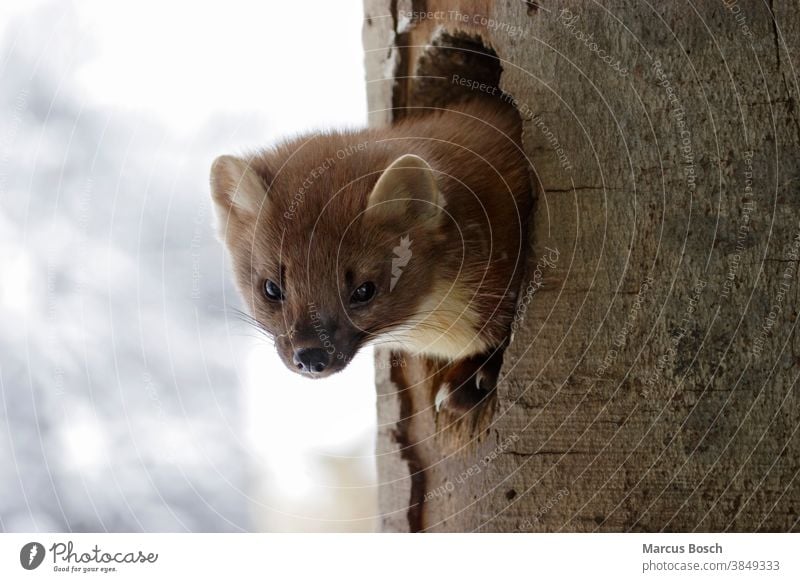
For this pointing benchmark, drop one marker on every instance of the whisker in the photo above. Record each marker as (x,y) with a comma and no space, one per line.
(253,324)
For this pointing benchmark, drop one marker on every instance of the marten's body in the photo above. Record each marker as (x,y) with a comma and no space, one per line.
(411,236)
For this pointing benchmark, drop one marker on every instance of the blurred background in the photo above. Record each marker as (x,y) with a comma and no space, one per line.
(133,398)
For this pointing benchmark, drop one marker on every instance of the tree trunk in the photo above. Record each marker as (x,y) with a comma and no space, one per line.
(651,382)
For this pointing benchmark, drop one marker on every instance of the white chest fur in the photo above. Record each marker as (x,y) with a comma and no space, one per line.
(446,326)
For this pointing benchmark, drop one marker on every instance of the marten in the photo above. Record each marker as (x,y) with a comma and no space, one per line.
(410,236)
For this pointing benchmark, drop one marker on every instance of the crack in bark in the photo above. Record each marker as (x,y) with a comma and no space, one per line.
(790,106)
(577,188)
(775,33)
(408,451)
(399,44)
(547,453)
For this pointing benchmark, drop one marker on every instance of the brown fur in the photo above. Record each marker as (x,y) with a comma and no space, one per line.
(465,262)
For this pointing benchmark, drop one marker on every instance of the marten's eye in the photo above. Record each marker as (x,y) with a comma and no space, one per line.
(273,291)
(363,294)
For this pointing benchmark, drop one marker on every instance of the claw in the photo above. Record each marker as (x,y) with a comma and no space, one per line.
(485,381)
(441,396)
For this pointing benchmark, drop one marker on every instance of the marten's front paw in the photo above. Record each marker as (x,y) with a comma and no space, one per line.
(468,383)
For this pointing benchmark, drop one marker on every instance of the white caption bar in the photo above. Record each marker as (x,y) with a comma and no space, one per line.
(400,557)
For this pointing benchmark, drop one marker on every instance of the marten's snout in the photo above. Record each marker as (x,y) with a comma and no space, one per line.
(316,347)
(311,361)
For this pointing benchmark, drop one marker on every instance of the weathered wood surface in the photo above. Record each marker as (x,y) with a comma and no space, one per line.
(652,383)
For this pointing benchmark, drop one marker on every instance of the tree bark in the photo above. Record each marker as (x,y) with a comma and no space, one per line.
(651,383)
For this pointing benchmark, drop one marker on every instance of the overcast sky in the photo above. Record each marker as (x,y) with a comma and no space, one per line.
(133,399)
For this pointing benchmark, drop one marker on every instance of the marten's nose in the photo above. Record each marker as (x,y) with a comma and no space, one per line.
(311,360)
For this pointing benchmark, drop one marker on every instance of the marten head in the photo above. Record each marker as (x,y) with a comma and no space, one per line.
(333,246)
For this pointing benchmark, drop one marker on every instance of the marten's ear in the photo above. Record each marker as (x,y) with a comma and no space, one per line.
(406,189)
(236,187)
